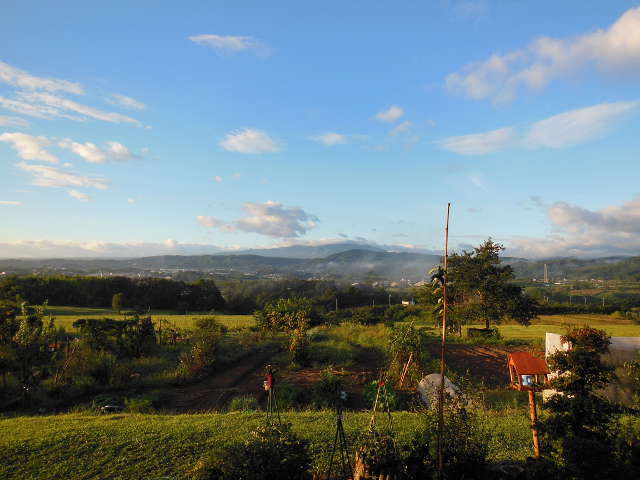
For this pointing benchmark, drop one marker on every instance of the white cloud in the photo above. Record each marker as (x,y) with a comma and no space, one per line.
(114,151)
(576,126)
(249,141)
(131,201)
(29,147)
(401,128)
(578,231)
(230,43)
(269,218)
(10,202)
(6,121)
(88,249)
(331,138)
(21,79)
(46,105)
(391,114)
(34,110)
(127,102)
(218,178)
(500,77)
(44,176)
(480,143)
(83,197)
(211,222)
(559,131)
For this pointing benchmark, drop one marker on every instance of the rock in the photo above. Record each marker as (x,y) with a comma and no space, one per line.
(429,386)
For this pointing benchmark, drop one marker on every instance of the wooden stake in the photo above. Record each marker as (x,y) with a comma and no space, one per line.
(534,421)
(442,348)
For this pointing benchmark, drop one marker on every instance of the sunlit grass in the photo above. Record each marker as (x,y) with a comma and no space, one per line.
(136,446)
(65,316)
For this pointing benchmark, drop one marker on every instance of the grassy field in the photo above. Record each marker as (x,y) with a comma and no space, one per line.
(65,316)
(129,446)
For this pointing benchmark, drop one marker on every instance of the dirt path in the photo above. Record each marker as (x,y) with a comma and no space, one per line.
(486,363)
(214,392)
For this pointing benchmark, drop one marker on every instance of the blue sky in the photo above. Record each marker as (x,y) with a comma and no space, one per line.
(135,128)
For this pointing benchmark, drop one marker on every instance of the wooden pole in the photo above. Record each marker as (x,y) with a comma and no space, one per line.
(534,421)
(442,347)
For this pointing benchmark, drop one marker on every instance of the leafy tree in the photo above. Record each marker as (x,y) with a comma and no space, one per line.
(292,315)
(479,288)
(576,433)
(117,302)
(30,346)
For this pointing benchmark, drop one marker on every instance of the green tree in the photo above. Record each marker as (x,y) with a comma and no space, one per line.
(292,315)
(576,432)
(480,288)
(30,346)
(117,302)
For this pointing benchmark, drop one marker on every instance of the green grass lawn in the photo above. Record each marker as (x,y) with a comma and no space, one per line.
(65,316)
(130,446)
(557,324)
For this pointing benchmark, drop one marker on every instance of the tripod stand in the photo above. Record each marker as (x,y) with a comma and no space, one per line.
(340,444)
(273,414)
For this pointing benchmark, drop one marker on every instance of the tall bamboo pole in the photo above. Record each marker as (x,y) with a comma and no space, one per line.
(442,348)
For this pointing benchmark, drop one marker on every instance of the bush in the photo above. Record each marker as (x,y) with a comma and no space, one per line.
(244,403)
(388,398)
(270,453)
(326,393)
(139,404)
(377,453)
(484,333)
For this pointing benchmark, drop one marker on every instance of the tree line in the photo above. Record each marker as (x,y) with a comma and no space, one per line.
(144,293)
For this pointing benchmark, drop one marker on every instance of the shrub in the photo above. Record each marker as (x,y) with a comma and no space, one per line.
(270,453)
(243,403)
(139,404)
(326,393)
(388,398)
(377,453)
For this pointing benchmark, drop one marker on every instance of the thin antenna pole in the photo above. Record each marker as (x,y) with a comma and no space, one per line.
(442,348)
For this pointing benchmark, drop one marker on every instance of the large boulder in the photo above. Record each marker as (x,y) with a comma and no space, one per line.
(429,387)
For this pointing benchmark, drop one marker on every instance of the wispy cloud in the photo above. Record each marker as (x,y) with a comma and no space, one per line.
(576,126)
(559,131)
(330,138)
(391,114)
(10,202)
(44,176)
(29,147)
(269,218)
(53,105)
(502,76)
(401,128)
(231,43)
(126,102)
(6,121)
(114,151)
(21,79)
(250,141)
(480,143)
(83,197)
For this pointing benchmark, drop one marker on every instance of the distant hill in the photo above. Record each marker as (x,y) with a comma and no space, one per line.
(308,251)
(352,264)
(606,268)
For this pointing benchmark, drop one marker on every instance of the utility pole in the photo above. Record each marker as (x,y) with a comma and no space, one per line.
(336,304)
(442,348)
(389,299)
